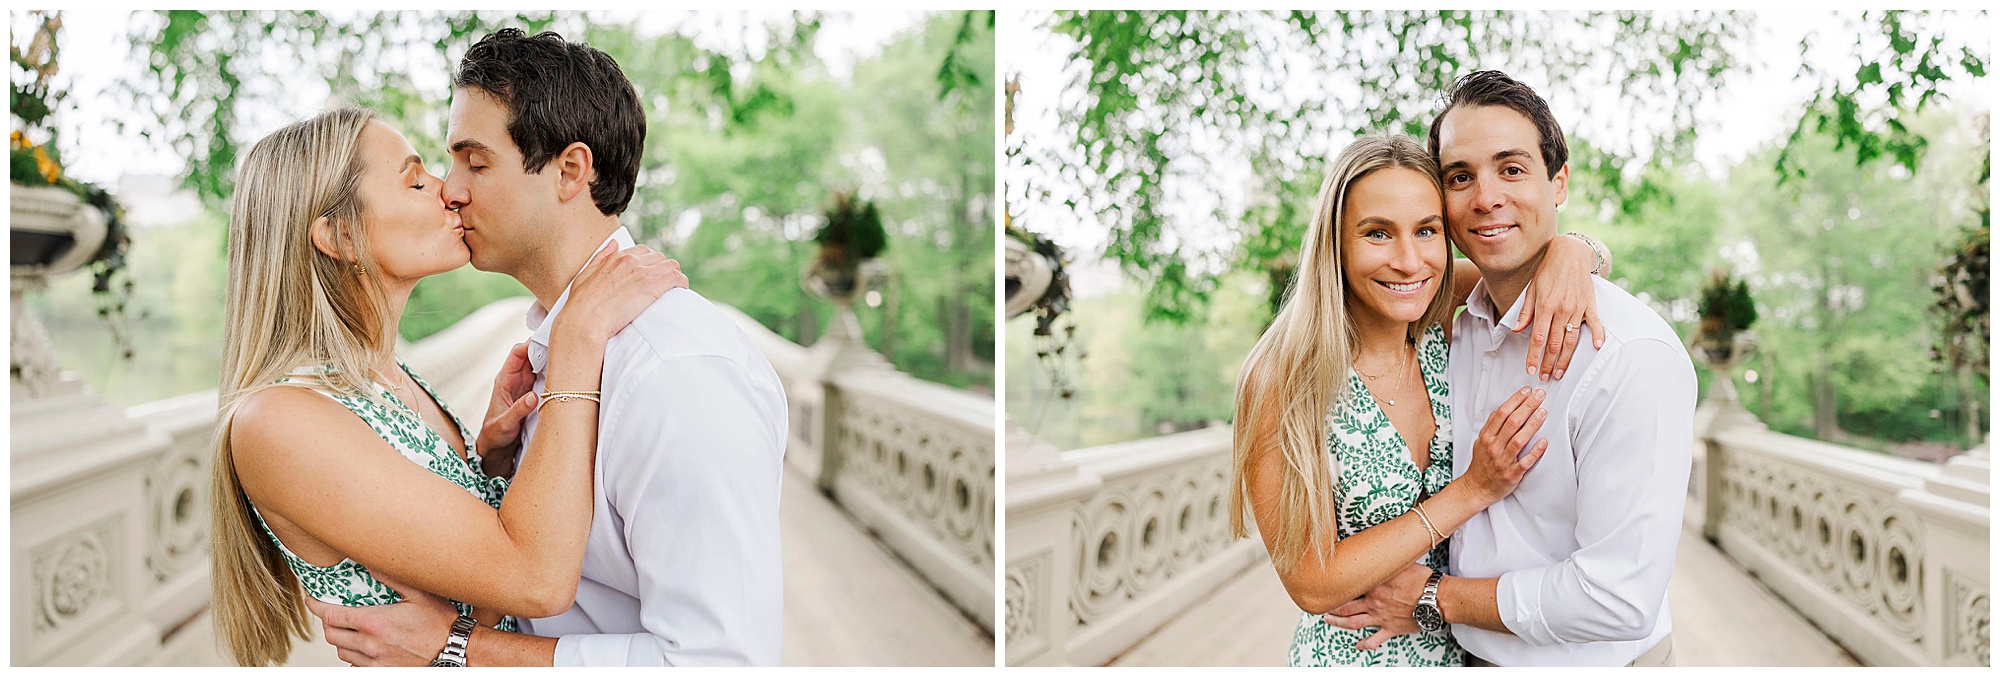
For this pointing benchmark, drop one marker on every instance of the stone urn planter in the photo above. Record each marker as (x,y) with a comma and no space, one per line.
(52,233)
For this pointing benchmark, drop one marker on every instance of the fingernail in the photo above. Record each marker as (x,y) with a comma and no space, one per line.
(1559,373)
(1539,394)
(1531,369)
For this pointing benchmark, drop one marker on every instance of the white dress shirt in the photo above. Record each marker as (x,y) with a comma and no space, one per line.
(682,566)
(1584,547)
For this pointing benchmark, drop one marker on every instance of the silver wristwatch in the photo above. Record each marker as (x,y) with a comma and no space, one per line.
(1429,618)
(453,655)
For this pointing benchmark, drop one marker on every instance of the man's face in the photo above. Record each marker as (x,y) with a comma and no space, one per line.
(1500,202)
(506,210)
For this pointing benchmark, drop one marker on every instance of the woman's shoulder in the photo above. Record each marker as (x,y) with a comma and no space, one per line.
(277,415)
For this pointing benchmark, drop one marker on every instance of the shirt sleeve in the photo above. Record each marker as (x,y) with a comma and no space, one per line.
(695,484)
(1633,438)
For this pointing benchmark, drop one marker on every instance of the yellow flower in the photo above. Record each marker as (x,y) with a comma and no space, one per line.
(47,166)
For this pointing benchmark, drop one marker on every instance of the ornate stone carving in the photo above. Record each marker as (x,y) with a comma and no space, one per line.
(1138,532)
(75,574)
(1848,538)
(1025,589)
(176,511)
(1968,626)
(935,474)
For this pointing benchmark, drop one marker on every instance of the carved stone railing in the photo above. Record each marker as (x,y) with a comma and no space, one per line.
(910,459)
(110,507)
(1107,544)
(1888,556)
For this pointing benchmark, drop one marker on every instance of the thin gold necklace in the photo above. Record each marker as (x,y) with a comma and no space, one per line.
(1402,367)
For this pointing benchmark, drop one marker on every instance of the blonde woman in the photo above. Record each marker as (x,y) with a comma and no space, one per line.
(336,468)
(1343,412)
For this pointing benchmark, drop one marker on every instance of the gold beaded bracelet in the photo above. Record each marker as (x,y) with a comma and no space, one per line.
(566,395)
(1436,537)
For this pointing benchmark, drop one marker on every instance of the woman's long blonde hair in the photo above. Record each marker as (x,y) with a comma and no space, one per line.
(1298,370)
(287,306)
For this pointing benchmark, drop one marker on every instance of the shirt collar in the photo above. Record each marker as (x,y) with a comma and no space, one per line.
(542,321)
(1479,304)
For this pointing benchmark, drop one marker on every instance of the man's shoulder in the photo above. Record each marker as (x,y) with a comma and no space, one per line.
(682,324)
(1630,318)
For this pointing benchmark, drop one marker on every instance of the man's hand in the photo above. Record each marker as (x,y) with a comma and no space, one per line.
(409,633)
(1391,606)
(513,399)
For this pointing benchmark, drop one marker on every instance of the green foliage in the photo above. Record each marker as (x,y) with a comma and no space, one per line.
(1867,111)
(1141,378)
(205,68)
(1164,99)
(744,148)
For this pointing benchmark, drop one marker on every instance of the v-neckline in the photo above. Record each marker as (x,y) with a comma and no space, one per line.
(1407,457)
(466,455)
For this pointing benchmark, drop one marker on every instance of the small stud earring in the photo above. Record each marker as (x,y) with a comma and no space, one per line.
(360,269)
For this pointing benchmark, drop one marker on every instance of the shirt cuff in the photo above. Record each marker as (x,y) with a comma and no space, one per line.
(1519,598)
(589,651)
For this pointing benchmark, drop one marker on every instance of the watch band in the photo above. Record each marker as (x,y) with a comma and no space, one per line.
(1427,614)
(453,655)
(1431,589)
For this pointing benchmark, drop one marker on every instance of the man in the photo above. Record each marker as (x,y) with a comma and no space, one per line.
(1572,568)
(682,565)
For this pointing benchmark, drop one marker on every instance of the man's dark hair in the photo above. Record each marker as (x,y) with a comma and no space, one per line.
(558,93)
(1494,88)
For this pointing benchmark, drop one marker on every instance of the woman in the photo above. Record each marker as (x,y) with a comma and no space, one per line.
(1347,386)
(335,466)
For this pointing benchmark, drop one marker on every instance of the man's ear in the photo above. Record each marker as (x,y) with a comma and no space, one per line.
(576,167)
(325,240)
(1562,184)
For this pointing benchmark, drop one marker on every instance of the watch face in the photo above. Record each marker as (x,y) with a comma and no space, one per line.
(1429,619)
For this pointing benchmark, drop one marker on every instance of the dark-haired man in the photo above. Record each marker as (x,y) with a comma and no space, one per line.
(682,564)
(1572,568)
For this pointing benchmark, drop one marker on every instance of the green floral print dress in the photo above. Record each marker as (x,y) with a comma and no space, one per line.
(1378,482)
(348,583)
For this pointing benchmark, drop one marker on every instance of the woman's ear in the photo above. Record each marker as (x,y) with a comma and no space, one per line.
(324,239)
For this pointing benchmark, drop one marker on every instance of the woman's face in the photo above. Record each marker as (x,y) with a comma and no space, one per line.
(410,233)
(1393,246)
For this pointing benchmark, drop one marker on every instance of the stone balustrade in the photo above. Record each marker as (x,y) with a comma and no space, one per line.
(1888,556)
(910,459)
(110,506)
(1106,544)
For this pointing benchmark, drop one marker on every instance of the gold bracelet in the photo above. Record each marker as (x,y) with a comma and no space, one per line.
(1436,537)
(571,392)
(565,396)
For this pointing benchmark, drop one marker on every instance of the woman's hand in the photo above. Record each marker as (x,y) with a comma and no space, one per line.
(616,286)
(1498,466)
(513,398)
(1561,300)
